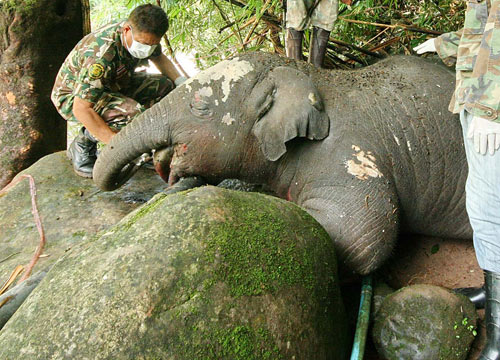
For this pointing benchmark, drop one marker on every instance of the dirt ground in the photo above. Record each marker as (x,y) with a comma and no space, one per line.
(425,260)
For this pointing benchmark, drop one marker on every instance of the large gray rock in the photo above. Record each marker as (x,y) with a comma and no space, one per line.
(208,273)
(424,322)
(71,209)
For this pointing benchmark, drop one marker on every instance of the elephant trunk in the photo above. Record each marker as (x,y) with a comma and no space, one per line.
(140,136)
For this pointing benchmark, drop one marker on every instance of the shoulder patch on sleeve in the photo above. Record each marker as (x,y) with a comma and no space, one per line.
(96,71)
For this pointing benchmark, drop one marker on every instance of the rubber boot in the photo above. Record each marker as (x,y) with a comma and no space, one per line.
(82,153)
(294,44)
(477,296)
(319,40)
(491,350)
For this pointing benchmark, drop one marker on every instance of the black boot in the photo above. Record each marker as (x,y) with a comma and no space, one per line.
(82,153)
(477,296)
(294,44)
(491,350)
(319,40)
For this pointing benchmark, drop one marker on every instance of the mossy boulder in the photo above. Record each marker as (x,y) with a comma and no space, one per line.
(424,322)
(71,209)
(203,274)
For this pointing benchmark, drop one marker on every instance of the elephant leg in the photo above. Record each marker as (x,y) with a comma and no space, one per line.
(361,220)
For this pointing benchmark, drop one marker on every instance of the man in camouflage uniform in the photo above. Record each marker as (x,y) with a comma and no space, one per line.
(98,86)
(300,14)
(475,52)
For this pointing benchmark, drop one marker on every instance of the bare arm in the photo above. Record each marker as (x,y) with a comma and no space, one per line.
(95,124)
(166,67)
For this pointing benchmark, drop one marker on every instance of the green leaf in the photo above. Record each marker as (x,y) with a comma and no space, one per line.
(434,248)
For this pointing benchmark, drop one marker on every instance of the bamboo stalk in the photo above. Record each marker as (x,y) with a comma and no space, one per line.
(266,16)
(257,19)
(171,50)
(364,51)
(392,26)
(248,23)
(385,44)
(229,24)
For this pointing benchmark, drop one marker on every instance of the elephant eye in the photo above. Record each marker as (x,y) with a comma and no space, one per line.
(200,108)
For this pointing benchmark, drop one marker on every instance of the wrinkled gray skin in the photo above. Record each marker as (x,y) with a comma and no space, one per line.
(368,152)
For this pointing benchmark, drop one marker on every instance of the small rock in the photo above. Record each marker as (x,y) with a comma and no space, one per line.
(424,322)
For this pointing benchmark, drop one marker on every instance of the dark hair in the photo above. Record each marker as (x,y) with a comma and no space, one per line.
(150,19)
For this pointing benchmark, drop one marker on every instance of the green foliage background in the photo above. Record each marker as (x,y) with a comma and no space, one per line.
(215,29)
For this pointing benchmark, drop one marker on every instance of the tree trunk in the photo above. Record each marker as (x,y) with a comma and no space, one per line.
(35,38)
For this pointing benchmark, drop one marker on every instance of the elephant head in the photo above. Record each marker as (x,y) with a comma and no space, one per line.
(232,120)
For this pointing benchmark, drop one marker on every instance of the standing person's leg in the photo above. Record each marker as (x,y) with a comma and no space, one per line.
(296,22)
(483,208)
(322,19)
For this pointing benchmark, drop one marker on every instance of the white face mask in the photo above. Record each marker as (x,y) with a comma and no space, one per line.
(139,50)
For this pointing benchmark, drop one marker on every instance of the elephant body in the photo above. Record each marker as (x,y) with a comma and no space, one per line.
(369,152)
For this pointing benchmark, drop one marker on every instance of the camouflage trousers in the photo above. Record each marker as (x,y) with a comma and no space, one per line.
(323,16)
(118,109)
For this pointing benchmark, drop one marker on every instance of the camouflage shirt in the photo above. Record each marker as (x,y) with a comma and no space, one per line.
(475,52)
(99,63)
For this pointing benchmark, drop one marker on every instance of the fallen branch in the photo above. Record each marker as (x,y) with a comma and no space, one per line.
(38,221)
(8,257)
(19,269)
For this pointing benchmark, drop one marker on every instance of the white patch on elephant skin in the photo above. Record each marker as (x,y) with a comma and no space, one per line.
(397,140)
(227,119)
(206,91)
(366,166)
(227,70)
(312,98)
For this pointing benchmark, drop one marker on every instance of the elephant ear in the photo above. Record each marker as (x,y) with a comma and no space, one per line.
(288,106)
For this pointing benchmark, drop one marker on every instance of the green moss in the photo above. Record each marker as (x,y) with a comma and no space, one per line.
(80,233)
(237,343)
(140,212)
(249,247)
(22,7)
(424,309)
(253,258)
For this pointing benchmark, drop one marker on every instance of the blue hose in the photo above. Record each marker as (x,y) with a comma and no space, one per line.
(358,348)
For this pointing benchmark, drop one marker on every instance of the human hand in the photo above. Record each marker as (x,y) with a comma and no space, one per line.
(426,46)
(486,135)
